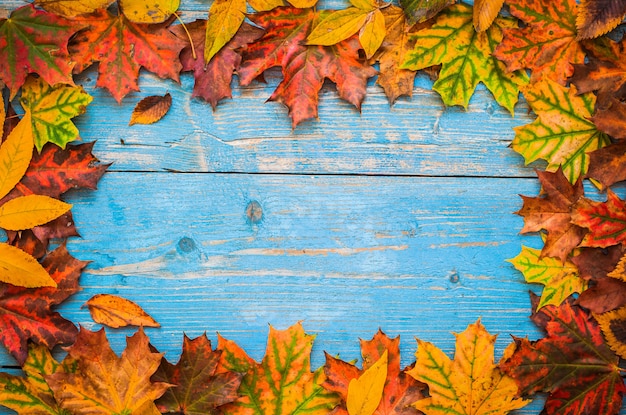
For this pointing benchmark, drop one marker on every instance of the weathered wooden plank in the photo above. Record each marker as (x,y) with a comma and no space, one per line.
(415,136)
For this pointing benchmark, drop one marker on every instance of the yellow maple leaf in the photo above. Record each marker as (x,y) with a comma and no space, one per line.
(469,384)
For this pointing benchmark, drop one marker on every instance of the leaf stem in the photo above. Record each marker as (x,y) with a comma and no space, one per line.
(193,49)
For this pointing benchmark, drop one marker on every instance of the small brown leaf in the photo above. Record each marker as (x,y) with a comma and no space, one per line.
(151,109)
(114,311)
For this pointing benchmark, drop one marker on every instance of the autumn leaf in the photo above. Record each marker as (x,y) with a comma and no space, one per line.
(572,363)
(25,313)
(104,383)
(560,280)
(608,164)
(26,212)
(611,119)
(266,5)
(605,221)
(469,384)
(202,384)
(392,54)
(225,19)
(485,13)
(151,109)
(30,395)
(604,73)
(72,8)
(52,109)
(34,41)
(421,10)
(612,326)
(546,44)
(283,382)
(122,48)
(466,58)
(115,311)
(213,79)
(15,155)
(605,295)
(304,67)
(400,390)
(562,134)
(148,11)
(21,269)
(366,391)
(597,17)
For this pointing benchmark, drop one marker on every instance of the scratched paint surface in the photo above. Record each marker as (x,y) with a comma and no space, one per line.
(399,218)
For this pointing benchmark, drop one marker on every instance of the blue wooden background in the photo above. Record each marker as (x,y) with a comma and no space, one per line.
(396,217)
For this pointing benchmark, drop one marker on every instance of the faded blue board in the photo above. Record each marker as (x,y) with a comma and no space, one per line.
(396,217)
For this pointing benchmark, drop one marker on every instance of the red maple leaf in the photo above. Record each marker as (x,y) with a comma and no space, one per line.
(122,48)
(304,67)
(53,172)
(552,212)
(212,80)
(202,384)
(547,44)
(606,221)
(35,41)
(572,363)
(401,390)
(25,313)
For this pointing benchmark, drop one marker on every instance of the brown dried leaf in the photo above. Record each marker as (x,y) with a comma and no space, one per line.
(597,17)
(151,109)
(114,311)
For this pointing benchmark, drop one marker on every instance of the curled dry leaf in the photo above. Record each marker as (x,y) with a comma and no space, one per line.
(114,311)
(151,109)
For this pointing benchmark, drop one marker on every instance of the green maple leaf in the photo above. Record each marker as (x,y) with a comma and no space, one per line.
(559,280)
(466,58)
(34,41)
(563,133)
(52,109)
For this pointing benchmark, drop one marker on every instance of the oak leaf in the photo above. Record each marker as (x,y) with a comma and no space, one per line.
(400,390)
(212,80)
(562,134)
(122,47)
(551,211)
(25,313)
(608,164)
(104,383)
(398,41)
(30,394)
(148,11)
(304,67)
(225,19)
(466,58)
(151,109)
(546,44)
(597,17)
(114,311)
(605,221)
(469,384)
(34,41)
(51,109)
(572,363)
(560,280)
(73,8)
(421,10)
(283,381)
(202,385)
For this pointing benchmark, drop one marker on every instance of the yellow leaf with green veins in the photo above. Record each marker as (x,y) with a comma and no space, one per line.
(283,382)
(366,391)
(337,26)
(52,108)
(225,18)
(372,33)
(21,269)
(15,155)
(469,384)
(559,280)
(26,212)
(30,395)
(466,58)
(563,133)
